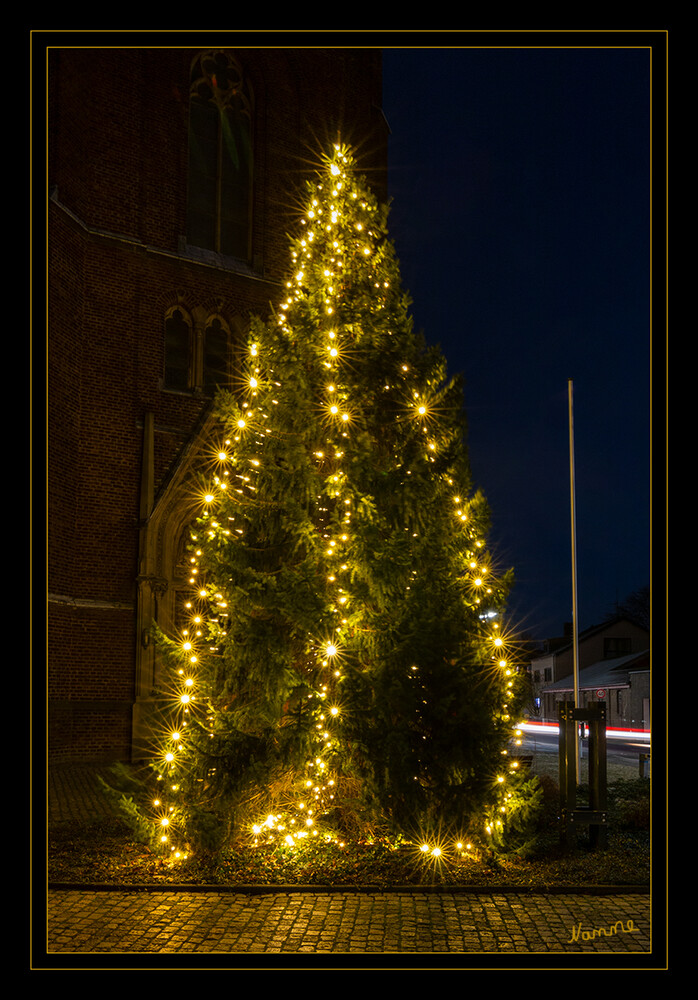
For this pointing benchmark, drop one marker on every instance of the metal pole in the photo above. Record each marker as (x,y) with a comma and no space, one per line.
(575,634)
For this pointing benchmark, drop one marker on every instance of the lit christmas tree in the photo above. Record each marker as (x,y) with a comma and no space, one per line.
(345,665)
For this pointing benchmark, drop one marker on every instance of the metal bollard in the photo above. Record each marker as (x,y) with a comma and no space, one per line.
(644,765)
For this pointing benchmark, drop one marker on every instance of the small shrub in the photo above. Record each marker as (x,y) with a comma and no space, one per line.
(550,805)
(631,804)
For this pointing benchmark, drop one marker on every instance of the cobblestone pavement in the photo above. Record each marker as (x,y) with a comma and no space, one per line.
(315,923)
(84,926)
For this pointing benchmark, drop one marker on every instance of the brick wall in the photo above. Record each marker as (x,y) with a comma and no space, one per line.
(118,177)
(90,681)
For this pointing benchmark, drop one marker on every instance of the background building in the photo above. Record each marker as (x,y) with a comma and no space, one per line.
(613,659)
(623,683)
(172,175)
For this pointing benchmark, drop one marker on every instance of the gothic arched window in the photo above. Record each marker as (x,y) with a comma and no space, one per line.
(220,156)
(216,359)
(198,351)
(178,349)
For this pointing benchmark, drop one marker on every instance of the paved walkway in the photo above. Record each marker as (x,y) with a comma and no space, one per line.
(351,923)
(276,924)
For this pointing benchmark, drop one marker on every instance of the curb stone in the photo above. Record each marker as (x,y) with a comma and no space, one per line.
(476,890)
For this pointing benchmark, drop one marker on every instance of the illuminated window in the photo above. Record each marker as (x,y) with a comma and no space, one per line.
(220,156)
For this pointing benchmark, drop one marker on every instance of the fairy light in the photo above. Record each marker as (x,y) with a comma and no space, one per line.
(340,414)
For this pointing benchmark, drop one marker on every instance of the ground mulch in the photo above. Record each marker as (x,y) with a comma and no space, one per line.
(102,851)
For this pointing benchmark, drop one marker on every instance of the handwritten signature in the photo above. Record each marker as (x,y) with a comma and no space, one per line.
(616,928)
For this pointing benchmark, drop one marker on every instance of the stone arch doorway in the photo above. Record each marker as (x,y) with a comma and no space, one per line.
(163,577)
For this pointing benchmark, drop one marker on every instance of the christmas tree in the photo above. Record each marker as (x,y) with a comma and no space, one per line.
(344,665)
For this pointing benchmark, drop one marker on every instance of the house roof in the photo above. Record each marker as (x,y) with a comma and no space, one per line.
(604,674)
(587,633)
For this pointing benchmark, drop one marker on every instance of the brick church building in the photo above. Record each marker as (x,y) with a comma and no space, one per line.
(173,176)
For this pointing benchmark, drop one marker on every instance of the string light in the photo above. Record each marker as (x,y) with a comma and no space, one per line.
(334,241)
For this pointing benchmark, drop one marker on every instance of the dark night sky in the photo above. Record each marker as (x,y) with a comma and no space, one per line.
(520,186)
(520,183)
